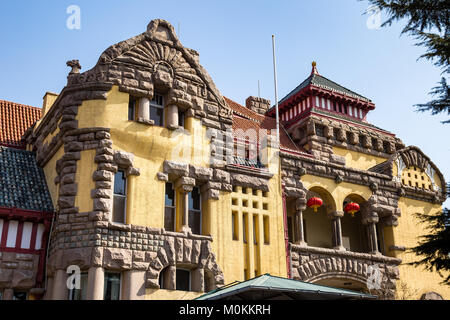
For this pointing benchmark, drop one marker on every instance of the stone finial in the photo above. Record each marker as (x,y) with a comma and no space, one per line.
(75,65)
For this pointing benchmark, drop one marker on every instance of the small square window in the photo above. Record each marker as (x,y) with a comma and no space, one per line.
(320,130)
(255,192)
(244,203)
(265,194)
(255,205)
(234,201)
(235,189)
(265,206)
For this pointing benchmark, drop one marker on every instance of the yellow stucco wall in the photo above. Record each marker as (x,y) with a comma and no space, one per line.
(50,175)
(162,294)
(407,233)
(85,168)
(151,146)
(358,160)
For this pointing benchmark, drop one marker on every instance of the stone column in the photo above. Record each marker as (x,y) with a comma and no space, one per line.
(133,285)
(373,238)
(370,219)
(8,294)
(144,109)
(170,278)
(60,291)
(299,235)
(96,283)
(337,230)
(48,289)
(185,185)
(198,280)
(172,116)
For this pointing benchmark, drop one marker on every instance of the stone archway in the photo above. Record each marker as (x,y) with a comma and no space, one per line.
(318,229)
(354,228)
(376,273)
(195,253)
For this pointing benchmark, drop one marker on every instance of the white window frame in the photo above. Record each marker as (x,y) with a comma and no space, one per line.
(120,283)
(126,198)
(175,204)
(201,210)
(154,105)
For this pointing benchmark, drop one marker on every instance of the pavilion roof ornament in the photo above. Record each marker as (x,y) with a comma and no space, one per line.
(314,68)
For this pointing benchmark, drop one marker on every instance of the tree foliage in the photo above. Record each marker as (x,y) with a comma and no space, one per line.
(428,21)
(434,248)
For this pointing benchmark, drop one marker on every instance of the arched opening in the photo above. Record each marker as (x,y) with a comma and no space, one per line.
(354,233)
(344,283)
(165,281)
(317,225)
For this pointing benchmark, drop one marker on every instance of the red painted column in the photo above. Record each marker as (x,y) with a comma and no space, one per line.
(19,235)
(33,236)
(4,233)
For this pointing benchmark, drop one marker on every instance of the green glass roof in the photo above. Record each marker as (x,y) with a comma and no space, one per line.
(292,289)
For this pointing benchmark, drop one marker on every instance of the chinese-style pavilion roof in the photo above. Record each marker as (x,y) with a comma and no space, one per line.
(317,80)
(22,181)
(15,119)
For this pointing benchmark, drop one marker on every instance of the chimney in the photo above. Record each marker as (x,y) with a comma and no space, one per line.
(258,105)
(49,99)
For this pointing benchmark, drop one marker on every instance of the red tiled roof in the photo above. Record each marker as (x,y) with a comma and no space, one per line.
(244,118)
(15,119)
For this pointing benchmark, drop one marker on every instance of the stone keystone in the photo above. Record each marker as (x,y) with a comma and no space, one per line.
(123,158)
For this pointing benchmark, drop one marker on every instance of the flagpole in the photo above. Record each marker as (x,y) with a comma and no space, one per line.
(276,90)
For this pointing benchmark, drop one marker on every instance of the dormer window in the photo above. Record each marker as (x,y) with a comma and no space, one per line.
(157,109)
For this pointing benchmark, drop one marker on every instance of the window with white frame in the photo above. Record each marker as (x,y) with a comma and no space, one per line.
(120,197)
(195,211)
(112,286)
(170,208)
(157,109)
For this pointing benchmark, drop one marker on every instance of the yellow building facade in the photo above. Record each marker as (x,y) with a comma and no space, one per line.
(165,189)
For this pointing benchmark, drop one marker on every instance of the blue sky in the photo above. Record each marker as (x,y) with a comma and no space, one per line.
(234,42)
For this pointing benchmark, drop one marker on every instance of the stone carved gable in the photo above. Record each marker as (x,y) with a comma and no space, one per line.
(157,59)
(412,156)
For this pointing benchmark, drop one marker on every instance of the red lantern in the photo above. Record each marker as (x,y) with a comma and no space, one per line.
(314,203)
(351,208)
